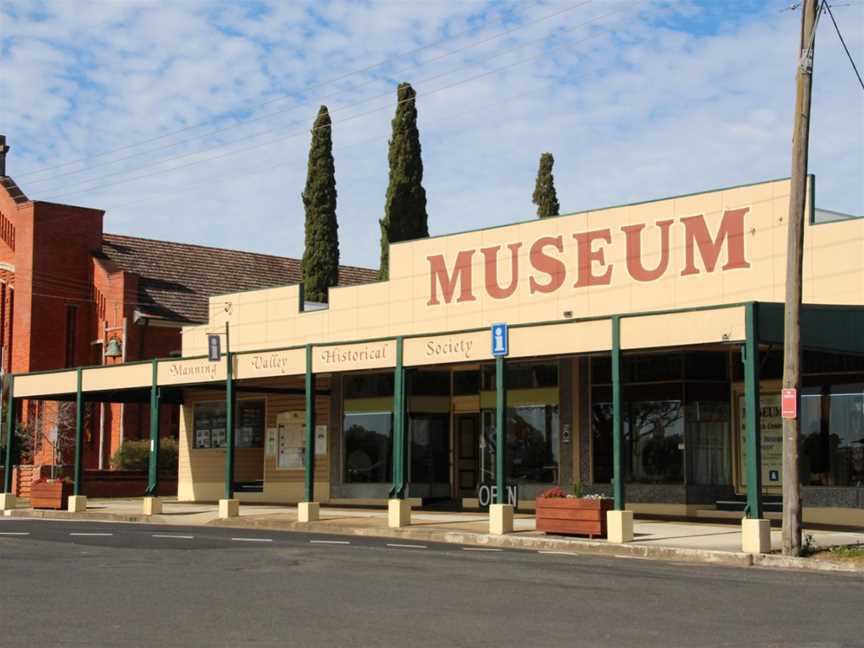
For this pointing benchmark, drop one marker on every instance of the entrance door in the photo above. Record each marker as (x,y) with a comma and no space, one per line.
(468,453)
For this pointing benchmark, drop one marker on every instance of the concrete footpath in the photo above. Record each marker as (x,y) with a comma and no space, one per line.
(677,541)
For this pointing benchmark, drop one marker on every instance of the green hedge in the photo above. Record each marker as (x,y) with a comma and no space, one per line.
(135,455)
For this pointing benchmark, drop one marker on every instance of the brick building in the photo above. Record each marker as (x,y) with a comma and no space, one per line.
(71,295)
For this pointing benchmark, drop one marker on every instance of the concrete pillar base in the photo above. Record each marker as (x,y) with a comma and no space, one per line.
(7,501)
(77,503)
(619,526)
(755,536)
(500,519)
(308,511)
(229,508)
(398,513)
(152,506)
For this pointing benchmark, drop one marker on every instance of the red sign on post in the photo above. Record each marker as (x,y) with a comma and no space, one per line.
(789,404)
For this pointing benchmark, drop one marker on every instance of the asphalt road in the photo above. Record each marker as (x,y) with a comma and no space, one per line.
(92,584)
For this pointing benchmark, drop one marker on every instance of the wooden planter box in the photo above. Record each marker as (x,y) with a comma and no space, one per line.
(50,495)
(573,516)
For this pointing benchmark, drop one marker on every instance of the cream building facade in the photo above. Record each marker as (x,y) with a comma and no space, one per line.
(668,291)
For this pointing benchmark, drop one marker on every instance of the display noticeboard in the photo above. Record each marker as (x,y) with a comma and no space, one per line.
(771,434)
(290,443)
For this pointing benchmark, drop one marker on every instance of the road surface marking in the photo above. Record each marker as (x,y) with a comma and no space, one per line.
(14,533)
(633,557)
(252,539)
(480,549)
(407,546)
(337,542)
(168,535)
(91,534)
(558,553)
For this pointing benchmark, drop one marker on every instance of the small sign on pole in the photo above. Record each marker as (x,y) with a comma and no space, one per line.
(500,345)
(789,403)
(214,348)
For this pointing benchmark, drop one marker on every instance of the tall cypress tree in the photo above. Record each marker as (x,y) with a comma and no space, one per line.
(320,265)
(544,190)
(405,215)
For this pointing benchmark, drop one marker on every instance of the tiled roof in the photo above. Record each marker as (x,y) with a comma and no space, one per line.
(13,189)
(176,279)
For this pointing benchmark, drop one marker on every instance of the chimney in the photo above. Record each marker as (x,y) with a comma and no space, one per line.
(3,150)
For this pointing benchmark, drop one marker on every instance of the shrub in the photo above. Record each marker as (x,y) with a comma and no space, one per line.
(135,455)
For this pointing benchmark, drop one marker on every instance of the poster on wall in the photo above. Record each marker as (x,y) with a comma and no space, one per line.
(771,433)
(320,439)
(290,443)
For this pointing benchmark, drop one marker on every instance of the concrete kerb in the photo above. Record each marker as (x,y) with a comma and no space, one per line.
(510,541)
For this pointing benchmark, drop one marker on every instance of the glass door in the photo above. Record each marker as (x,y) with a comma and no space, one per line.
(468,454)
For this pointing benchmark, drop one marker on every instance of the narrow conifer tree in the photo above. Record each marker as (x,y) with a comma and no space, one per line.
(405,215)
(320,265)
(544,190)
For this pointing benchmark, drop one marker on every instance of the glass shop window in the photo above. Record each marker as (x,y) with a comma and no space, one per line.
(832,435)
(210,430)
(430,448)
(368,441)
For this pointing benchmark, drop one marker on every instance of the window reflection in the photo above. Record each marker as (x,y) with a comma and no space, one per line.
(368,447)
(832,435)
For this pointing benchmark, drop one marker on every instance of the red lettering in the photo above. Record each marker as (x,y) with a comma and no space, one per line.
(439,277)
(730,233)
(490,255)
(549,265)
(633,234)
(588,257)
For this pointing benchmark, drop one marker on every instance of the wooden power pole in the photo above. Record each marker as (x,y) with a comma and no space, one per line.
(794,258)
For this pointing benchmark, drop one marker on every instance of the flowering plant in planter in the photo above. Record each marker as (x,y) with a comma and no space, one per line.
(576,514)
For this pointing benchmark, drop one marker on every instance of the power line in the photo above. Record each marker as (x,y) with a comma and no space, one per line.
(843,42)
(303,132)
(250,120)
(158,162)
(341,77)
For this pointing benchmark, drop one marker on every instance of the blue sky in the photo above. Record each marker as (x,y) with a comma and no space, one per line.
(190,120)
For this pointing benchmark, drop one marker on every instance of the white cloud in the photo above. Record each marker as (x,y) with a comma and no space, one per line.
(658,99)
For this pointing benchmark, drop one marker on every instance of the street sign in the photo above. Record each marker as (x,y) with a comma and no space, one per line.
(789,404)
(500,345)
(214,350)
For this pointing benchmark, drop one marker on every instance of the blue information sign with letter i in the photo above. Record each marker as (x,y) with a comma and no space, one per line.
(499,340)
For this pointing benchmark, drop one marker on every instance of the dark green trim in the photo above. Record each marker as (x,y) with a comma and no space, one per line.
(575,320)
(752,413)
(79,434)
(10,436)
(500,430)
(617,418)
(229,427)
(309,474)
(153,467)
(399,473)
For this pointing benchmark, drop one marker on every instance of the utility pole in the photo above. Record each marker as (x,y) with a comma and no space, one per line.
(810,11)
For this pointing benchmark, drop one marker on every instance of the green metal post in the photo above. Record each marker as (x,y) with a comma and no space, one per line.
(500,430)
(398,490)
(10,436)
(309,490)
(79,433)
(153,481)
(751,413)
(229,418)
(617,422)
